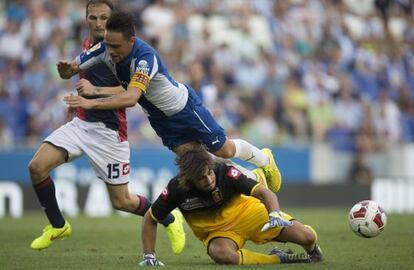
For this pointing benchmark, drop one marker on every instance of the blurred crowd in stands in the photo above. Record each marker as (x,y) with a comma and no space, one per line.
(274,72)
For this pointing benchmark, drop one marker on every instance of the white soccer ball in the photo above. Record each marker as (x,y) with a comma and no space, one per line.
(367,219)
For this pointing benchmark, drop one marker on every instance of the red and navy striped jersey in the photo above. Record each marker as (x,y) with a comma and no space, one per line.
(101,75)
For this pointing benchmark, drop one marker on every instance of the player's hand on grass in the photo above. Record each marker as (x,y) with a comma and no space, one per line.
(150,260)
(67,69)
(85,88)
(78,102)
(276,220)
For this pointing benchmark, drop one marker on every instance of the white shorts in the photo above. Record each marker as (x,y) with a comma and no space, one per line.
(108,156)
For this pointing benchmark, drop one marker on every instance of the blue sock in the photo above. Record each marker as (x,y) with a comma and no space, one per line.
(46,194)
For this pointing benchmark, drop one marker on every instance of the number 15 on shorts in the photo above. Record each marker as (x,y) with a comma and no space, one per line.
(115,169)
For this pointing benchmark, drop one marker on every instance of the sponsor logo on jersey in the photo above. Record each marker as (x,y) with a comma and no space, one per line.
(126,169)
(164,193)
(233,173)
(193,203)
(143,67)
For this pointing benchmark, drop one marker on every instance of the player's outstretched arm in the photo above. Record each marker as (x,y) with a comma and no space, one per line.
(85,89)
(125,99)
(149,235)
(67,69)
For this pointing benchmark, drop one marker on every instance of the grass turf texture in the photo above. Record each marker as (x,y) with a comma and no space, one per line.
(114,243)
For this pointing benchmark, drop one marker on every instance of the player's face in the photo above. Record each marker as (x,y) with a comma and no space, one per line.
(207,182)
(117,46)
(96,19)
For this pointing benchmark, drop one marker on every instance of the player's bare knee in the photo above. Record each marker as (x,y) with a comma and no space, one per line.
(225,152)
(309,237)
(37,171)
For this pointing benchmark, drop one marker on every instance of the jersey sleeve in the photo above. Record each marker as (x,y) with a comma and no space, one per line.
(165,203)
(146,67)
(240,182)
(91,57)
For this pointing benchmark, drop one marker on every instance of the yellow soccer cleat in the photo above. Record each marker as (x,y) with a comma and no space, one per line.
(260,176)
(273,176)
(50,234)
(175,232)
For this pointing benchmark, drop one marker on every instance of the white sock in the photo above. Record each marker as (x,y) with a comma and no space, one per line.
(250,153)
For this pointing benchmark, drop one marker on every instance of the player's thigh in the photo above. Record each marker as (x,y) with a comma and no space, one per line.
(193,124)
(60,146)
(108,156)
(50,155)
(69,138)
(46,158)
(296,233)
(206,129)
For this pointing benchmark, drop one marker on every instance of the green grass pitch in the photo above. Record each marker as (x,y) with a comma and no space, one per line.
(114,243)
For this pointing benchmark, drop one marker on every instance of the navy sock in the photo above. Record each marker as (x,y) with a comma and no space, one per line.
(145,204)
(168,220)
(46,194)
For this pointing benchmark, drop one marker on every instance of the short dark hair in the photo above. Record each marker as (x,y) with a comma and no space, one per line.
(121,22)
(96,2)
(192,166)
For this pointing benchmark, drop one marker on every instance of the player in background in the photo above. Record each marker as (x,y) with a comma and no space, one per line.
(102,136)
(174,110)
(224,208)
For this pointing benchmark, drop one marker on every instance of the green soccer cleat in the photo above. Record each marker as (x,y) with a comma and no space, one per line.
(50,234)
(260,176)
(272,173)
(175,232)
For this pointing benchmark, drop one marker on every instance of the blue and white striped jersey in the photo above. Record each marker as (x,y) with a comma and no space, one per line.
(143,68)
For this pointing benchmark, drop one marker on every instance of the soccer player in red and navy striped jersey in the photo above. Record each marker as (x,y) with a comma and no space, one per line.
(99,134)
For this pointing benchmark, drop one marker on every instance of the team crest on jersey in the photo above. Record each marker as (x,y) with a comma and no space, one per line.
(143,67)
(126,169)
(216,195)
(233,173)
(94,48)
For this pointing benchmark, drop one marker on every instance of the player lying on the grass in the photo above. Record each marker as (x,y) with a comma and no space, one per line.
(102,136)
(174,110)
(224,208)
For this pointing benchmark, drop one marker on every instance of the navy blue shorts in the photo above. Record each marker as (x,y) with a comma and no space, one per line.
(193,123)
